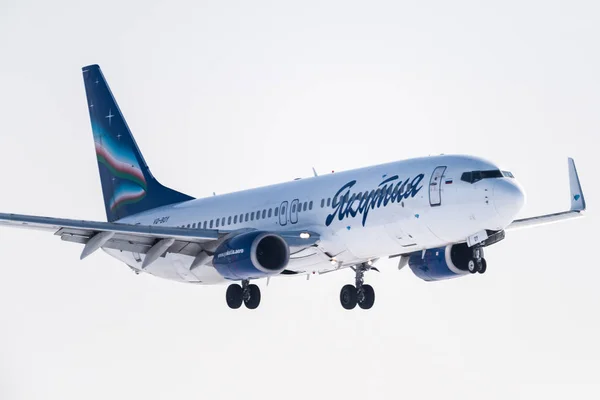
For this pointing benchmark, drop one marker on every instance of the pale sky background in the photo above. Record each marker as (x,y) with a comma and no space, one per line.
(226,95)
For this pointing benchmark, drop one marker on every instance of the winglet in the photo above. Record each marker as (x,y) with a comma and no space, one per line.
(577,199)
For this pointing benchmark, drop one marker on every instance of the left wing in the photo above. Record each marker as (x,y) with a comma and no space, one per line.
(144,239)
(577,205)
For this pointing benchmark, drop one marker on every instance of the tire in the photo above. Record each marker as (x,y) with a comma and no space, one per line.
(472,266)
(254,300)
(369,298)
(234,296)
(483,266)
(348,297)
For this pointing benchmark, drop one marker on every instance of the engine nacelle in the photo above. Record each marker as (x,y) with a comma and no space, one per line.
(251,255)
(443,263)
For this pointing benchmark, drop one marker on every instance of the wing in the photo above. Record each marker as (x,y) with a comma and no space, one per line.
(153,241)
(577,205)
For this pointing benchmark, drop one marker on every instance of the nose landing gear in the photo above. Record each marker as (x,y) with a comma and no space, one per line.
(361,294)
(477,263)
(249,294)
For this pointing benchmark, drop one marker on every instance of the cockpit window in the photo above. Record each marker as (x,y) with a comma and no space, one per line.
(476,176)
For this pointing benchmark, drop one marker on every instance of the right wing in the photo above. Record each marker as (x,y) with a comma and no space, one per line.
(577,205)
(151,240)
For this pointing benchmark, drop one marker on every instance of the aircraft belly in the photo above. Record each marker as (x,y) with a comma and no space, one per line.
(370,241)
(173,267)
(307,260)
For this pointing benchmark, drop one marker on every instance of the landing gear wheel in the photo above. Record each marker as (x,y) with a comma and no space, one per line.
(472,266)
(348,297)
(368,297)
(483,267)
(234,296)
(254,300)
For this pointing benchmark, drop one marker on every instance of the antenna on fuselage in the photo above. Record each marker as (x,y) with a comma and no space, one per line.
(315,171)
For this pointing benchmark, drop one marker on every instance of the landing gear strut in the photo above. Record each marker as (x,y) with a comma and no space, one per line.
(477,263)
(247,293)
(361,294)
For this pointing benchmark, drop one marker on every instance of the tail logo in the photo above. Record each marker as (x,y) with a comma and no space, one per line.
(128,181)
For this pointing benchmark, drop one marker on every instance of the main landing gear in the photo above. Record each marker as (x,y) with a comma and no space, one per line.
(477,263)
(249,294)
(361,294)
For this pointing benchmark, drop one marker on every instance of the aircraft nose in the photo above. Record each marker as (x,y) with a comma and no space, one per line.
(509,198)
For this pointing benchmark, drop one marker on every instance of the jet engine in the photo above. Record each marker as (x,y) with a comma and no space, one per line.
(251,255)
(442,263)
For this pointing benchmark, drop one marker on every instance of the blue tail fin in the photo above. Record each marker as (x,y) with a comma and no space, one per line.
(127,184)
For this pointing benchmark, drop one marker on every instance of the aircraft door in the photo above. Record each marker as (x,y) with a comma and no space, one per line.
(435,186)
(283,213)
(294,211)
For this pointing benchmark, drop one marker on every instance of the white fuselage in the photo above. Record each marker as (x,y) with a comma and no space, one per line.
(438,209)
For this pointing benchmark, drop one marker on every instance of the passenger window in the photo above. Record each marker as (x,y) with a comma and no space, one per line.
(194,225)
(270,213)
(310,205)
(329,202)
(322,203)
(258,215)
(205,224)
(252,216)
(305,206)
(247,217)
(283,210)
(217,225)
(211,224)
(229,221)
(264,215)
(294,207)
(276,211)
(235,219)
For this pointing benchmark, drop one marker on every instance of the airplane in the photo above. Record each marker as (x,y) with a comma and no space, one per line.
(434,214)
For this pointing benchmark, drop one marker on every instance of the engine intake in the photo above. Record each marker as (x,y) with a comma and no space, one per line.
(441,263)
(251,255)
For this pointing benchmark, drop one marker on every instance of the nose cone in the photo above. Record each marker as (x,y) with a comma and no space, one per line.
(508,199)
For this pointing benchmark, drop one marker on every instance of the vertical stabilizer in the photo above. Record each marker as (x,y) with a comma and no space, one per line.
(127,184)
